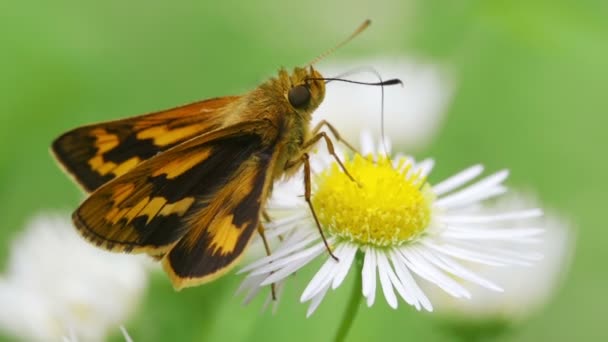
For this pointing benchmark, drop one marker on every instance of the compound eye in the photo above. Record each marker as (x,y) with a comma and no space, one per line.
(299,96)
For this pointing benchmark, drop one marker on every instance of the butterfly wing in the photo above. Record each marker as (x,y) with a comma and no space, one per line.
(195,205)
(219,235)
(97,153)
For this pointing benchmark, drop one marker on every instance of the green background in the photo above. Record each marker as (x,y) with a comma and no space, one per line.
(531,96)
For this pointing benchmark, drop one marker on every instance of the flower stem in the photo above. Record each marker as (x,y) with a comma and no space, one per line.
(353,303)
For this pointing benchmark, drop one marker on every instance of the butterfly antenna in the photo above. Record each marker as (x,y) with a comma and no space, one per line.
(383,83)
(344,42)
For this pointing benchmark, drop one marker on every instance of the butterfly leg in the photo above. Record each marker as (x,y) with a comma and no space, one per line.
(330,147)
(261,231)
(333,131)
(304,159)
(266,216)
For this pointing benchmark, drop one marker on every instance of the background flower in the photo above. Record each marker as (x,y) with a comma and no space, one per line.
(412,114)
(58,285)
(526,289)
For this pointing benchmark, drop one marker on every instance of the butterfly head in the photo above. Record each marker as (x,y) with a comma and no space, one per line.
(306,90)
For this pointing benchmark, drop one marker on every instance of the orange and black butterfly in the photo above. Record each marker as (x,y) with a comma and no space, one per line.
(188,185)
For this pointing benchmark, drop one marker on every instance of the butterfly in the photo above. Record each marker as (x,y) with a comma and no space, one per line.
(188,185)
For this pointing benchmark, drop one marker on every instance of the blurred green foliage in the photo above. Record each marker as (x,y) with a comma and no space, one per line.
(531,97)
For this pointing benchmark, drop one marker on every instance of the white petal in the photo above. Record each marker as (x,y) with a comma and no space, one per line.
(366,271)
(314,303)
(509,256)
(323,277)
(279,257)
(451,266)
(125,334)
(367,143)
(516,215)
(484,188)
(457,180)
(252,285)
(502,234)
(429,272)
(408,282)
(425,167)
(463,253)
(471,198)
(346,260)
(387,288)
(384,146)
(369,276)
(281,226)
(289,269)
(279,263)
(401,289)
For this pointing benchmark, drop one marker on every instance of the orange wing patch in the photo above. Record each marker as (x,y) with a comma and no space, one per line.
(161,200)
(164,135)
(95,154)
(225,235)
(221,232)
(179,165)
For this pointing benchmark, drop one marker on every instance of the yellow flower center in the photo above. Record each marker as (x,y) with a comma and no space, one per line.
(386,208)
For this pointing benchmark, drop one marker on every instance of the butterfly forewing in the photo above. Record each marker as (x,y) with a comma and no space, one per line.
(95,154)
(174,199)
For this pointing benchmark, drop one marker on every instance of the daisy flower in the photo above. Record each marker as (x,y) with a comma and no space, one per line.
(56,286)
(403,230)
(526,289)
(415,111)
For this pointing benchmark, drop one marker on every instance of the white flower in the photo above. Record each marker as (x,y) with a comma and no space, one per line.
(58,285)
(412,113)
(404,230)
(526,289)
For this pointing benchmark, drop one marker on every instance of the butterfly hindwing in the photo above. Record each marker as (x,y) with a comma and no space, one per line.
(220,234)
(97,153)
(175,193)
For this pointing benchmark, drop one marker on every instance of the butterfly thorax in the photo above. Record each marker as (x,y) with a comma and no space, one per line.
(292,119)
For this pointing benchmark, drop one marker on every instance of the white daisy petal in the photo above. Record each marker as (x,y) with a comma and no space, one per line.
(125,334)
(322,277)
(508,255)
(429,272)
(279,263)
(387,287)
(451,266)
(249,282)
(368,271)
(369,276)
(346,259)
(292,245)
(384,146)
(290,268)
(425,167)
(408,282)
(484,188)
(516,215)
(457,180)
(468,255)
(462,233)
(284,224)
(469,198)
(400,288)
(367,143)
(316,301)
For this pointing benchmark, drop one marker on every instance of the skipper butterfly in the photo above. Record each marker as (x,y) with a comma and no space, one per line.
(188,185)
